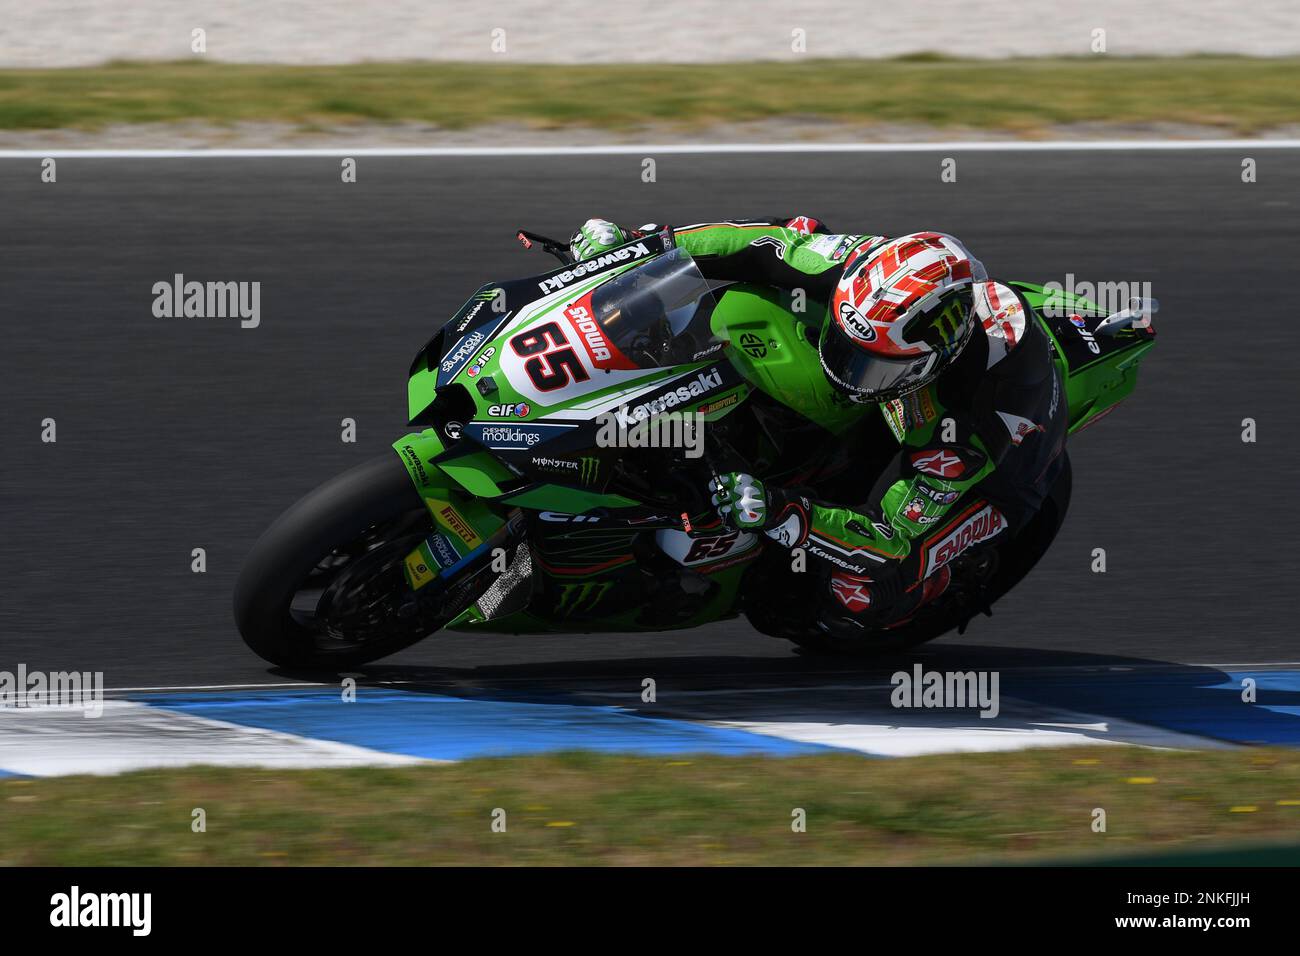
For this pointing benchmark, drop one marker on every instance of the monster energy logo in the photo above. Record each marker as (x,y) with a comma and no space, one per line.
(576,598)
(944,329)
(585,469)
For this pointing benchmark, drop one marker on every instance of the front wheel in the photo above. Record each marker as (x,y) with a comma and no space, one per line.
(324,586)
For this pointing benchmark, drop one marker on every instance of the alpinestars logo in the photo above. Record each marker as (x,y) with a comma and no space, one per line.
(590,266)
(852,592)
(941,464)
(705,382)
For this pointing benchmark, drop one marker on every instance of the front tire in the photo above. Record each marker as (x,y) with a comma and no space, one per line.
(323,587)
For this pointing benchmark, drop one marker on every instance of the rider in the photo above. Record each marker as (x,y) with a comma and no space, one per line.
(963,378)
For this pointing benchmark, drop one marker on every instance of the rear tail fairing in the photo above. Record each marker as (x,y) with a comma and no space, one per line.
(1099,369)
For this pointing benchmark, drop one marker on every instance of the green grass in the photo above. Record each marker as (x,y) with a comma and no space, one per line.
(1236,95)
(584,808)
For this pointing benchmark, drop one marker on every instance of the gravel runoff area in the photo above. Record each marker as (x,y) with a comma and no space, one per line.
(57,33)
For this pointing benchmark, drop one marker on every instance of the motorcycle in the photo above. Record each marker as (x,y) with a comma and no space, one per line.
(533,496)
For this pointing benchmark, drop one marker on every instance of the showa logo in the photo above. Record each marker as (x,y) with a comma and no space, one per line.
(1112,297)
(69,690)
(208,300)
(957,690)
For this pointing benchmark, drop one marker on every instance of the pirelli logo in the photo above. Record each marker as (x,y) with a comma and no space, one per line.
(451,519)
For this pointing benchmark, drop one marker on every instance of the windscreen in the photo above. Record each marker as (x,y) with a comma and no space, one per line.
(657,314)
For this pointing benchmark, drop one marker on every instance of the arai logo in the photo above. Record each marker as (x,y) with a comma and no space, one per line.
(855,324)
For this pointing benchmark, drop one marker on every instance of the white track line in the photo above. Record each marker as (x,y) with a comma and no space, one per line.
(1082,668)
(641,149)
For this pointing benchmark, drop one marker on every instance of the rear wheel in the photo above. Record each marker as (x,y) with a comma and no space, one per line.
(1011,562)
(324,587)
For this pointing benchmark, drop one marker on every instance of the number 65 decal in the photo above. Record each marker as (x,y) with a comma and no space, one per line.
(554,363)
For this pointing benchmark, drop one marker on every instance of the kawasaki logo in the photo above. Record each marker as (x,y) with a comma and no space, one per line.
(590,266)
(704,382)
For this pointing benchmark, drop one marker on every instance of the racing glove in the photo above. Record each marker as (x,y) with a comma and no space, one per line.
(741,501)
(595,236)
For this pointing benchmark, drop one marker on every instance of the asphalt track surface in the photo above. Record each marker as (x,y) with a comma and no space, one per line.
(183,433)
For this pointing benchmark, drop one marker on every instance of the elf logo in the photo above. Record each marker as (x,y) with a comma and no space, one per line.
(1081,327)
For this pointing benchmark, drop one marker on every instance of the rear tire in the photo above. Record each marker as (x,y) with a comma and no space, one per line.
(373,509)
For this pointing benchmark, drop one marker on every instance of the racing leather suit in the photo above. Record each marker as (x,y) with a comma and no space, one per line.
(978,448)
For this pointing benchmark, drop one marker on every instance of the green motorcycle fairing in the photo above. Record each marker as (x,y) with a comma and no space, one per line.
(511,388)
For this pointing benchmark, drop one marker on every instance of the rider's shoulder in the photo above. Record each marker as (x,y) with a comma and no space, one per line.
(1004,318)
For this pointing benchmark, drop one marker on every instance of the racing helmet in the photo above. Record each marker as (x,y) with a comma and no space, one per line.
(901,312)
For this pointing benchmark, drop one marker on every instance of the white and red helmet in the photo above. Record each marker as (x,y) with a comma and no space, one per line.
(901,313)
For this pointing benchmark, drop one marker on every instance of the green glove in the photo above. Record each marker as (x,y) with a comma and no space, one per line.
(594,237)
(741,500)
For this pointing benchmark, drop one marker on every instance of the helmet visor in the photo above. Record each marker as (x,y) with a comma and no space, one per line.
(867,375)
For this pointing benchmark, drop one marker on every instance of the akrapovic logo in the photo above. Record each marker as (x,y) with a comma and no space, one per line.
(704,383)
(464,351)
(590,266)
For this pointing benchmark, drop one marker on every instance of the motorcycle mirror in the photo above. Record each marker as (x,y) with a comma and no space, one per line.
(1136,316)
